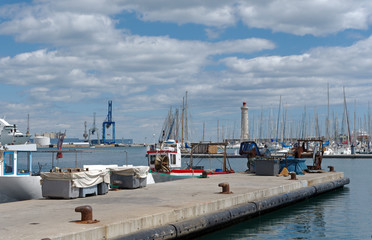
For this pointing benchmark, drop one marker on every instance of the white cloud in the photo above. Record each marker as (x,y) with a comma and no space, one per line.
(66,22)
(219,15)
(59,18)
(300,77)
(85,57)
(85,6)
(339,62)
(290,16)
(307,17)
(61,28)
(133,61)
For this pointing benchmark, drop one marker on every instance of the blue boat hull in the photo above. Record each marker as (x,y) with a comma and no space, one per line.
(296,165)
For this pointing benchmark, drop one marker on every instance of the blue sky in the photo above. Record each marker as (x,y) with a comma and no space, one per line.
(61,61)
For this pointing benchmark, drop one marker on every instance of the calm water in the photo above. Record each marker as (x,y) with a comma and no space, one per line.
(341,214)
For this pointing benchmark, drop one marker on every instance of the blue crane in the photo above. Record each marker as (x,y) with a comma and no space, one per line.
(106,125)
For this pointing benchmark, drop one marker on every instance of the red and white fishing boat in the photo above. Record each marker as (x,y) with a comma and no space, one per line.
(165,163)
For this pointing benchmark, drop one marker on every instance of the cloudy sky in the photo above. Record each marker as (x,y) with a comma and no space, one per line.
(61,61)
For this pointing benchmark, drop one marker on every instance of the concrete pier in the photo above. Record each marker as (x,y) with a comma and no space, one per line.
(232,156)
(166,210)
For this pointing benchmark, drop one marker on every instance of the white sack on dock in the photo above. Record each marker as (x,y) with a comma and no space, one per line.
(79,179)
(138,171)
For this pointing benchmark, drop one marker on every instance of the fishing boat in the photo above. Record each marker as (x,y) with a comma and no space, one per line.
(165,163)
(302,150)
(16,179)
(293,161)
(9,134)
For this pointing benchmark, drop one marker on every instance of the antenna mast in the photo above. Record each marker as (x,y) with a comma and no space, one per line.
(28,125)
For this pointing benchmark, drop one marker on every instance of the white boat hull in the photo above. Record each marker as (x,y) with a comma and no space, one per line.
(21,187)
(8,139)
(166,177)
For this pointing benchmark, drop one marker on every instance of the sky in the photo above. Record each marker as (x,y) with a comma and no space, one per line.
(62,61)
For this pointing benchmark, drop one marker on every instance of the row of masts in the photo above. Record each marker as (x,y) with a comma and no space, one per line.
(277,125)
(174,127)
(271,125)
(284,129)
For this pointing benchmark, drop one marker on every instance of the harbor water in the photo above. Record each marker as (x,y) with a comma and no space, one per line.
(341,214)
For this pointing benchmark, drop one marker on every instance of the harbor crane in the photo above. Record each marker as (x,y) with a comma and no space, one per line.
(107,136)
(93,130)
(85,135)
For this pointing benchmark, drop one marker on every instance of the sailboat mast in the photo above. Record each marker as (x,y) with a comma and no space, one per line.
(253,128)
(177,125)
(327,123)
(277,123)
(203,131)
(317,131)
(233,132)
(335,131)
(347,119)
(28,125)
(186,124)
(304,124)
(261,123)
(369,126)
(284,123)
(182,120)
(355,121)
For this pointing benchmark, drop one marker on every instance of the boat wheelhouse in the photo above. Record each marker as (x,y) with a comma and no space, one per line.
(166,157)
(16,179)
(165,163)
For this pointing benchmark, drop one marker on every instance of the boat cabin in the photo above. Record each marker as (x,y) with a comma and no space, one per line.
(166,157)
(16,160)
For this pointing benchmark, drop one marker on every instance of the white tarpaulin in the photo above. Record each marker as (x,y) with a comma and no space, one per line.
(79,179)
(137,171)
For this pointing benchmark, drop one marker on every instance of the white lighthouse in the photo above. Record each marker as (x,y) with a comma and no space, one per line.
(244,123)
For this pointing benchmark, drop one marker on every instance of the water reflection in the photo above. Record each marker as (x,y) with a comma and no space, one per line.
(305,220)
(342,214)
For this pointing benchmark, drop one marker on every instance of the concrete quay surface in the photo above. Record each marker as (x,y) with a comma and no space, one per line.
(126,212)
